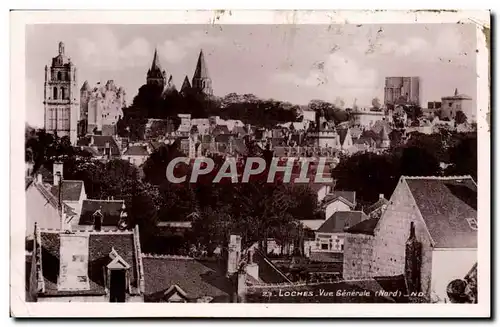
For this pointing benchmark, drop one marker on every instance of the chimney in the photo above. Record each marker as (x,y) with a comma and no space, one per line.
(381,196)
(234,254)
(107,150)
(73,262)
(57,172)
(39,178)
(413,261)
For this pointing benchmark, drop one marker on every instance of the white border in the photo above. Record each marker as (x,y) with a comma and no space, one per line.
(20,308)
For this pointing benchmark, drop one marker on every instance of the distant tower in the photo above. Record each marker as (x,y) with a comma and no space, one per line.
(62,110)
(156,75)
(386,141)
(202,83)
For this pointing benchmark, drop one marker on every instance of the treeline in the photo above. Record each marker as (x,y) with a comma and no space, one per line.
(370,174)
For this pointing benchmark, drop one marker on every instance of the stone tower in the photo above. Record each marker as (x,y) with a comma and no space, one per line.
(202,83)
(61,102)
(156,75)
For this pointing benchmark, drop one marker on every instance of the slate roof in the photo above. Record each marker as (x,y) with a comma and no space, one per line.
(366,227)
(100,245)
(136,150)
(195,277)
(110,210)
(100,141)
(377,205)
(372,285)
(341,220)
(445,203)
(350,196)
(70,191)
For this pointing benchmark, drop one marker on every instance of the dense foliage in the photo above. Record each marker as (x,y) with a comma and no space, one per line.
(370,174)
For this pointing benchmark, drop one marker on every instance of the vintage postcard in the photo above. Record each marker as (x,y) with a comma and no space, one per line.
(250,164)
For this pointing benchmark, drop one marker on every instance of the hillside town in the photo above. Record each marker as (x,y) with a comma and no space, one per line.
(394,222)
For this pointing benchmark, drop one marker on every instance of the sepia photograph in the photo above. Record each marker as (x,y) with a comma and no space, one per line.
(251,163)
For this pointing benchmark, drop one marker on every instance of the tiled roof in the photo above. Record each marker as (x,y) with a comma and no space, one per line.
(350,196)
(379,125)
(356,132)
(341,220)
(239,146)
(136,150)
(355,291)
(366,227)
(220,129)
(100,245)
(195,277)
(445,204)
(239,130)
(45,191)
(377,205)
(100,141)
(110,210)
(71,190)
(223,138)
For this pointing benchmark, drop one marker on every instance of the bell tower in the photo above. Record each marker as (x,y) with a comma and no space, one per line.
(61,97)
(202,83)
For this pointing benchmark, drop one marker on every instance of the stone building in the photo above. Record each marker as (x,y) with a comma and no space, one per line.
(61,106)
(101,108)
(442,213)
(402,90)
(450,105)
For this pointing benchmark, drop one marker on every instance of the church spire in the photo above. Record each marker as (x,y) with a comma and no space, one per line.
(201,67)
(156,75)
(456,91)
(201,80)
(155,65)
(186,86)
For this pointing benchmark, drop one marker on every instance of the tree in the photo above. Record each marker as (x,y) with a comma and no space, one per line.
(376,103)
(460,117)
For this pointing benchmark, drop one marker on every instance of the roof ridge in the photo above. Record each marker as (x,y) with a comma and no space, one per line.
(438,177)
(166,256)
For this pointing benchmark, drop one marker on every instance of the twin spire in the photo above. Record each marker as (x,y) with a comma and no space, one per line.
(200,82)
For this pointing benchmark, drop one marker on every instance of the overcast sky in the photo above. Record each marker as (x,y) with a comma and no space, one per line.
(295,63)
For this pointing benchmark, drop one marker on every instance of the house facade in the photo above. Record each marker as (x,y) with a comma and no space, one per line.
(442,213)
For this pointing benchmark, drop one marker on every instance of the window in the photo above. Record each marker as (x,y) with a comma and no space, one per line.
(63,93)
(55,93)
(472,223)
(324,246)
(59,76)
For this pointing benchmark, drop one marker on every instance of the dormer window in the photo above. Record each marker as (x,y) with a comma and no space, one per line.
(98,217)
(175,294)
(118,277)
(472,223)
